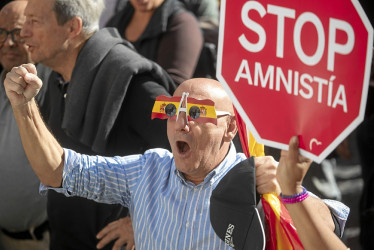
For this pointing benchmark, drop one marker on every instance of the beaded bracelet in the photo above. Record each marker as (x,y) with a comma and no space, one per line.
(290,199)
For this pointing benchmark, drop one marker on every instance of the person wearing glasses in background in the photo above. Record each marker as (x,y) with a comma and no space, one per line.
(23,211)
(166,192)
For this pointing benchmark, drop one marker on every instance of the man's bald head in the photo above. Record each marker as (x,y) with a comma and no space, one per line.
(204,88)
(13,12)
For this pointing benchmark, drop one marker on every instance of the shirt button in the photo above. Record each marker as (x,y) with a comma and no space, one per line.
(187,224)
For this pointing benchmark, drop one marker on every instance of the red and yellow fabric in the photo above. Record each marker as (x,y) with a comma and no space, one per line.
(281,232)
(248,142)
(207,110)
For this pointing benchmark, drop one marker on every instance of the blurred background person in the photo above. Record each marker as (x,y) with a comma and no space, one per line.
(2,4)
(23,211)
(162,31)
(207,14)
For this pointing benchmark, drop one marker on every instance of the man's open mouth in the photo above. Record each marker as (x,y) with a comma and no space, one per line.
(183,147)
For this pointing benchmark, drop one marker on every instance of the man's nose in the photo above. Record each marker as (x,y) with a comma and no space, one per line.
(9,41)
(25,32)
(182,122)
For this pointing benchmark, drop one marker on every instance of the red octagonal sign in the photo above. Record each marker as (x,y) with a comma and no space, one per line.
(296,68)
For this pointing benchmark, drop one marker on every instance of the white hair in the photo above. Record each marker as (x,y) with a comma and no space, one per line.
(88,10)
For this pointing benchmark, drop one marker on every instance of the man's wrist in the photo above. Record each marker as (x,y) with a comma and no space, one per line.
(292,190)
(26,112)
(295,198)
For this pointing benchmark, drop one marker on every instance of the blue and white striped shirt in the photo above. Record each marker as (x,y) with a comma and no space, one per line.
(167,211)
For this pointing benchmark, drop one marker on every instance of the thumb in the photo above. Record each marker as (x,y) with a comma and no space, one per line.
(293,151)
(30,68)
(33,80)
(33,86)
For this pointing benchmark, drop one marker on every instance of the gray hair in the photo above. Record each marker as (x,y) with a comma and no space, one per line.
(88,10)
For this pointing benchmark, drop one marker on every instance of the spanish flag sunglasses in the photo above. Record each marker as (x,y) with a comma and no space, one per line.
(202,111)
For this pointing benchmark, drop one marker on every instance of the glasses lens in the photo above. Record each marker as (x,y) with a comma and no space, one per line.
(17,36)
(194,112)
(170,110)
(3,35)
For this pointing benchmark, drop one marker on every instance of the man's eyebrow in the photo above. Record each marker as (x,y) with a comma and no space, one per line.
(28,14)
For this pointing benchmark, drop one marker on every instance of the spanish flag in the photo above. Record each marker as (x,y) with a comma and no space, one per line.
(161,102)
(281,232)
(206,107)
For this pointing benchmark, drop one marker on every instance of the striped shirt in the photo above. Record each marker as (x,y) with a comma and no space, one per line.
(167,211)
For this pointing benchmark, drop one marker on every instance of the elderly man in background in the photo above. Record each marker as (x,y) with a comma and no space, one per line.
(23,211)
(101,91)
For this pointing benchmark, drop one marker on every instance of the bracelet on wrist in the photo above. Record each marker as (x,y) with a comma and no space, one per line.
(290,199)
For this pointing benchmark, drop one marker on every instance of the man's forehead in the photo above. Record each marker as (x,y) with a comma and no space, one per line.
(194,91)
(202,89)
(10,20)
(33,9)
(194,96)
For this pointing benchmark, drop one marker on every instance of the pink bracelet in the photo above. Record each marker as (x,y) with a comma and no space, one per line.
(290,199)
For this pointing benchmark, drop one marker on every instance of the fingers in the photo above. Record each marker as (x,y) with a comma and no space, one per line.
(123,241)
(22,84)
(15,80)
(121,230)
(270,186)
(107,234)
(30,68)
(108,237)
(33,81)
(293,150)
(102,243)
(292,168)
(265,160)
(292,155)
(266,170)
(265,166)
(106,230)
(14,84)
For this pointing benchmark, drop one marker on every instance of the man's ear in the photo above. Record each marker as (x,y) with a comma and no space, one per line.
(75,27)
(232,128)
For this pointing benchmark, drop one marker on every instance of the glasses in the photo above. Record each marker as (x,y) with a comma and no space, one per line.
(15,34)
(202,111)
